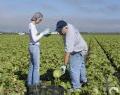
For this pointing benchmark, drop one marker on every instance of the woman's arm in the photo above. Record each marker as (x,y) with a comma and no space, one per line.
(34,35)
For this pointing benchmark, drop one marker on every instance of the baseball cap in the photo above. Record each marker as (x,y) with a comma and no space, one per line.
(60,25)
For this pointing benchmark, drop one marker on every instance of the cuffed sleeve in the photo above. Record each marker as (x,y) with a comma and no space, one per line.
(33,32)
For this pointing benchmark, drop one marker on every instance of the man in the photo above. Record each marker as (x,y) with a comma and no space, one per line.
(75,52)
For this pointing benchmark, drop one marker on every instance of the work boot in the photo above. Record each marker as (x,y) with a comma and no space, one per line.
(29,90)
(33,90)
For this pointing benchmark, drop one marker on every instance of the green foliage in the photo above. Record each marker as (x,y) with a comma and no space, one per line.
(14,63)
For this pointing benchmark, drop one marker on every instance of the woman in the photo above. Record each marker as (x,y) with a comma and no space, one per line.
(34,49)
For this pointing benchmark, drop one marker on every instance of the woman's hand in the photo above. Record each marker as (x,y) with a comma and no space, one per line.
(46,31)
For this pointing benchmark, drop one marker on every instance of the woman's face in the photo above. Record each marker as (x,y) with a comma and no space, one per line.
(38,20)
(65,29)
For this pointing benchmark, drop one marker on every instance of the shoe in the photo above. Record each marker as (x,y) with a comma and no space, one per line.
(84,84)
(33,90)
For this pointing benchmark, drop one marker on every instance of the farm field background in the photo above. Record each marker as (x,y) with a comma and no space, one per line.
(102,63)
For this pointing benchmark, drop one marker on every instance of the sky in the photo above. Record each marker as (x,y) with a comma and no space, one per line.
(86,15)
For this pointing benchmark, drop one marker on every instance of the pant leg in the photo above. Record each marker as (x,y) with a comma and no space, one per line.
(75,65)
(83,77)
(30,72)
(36,62)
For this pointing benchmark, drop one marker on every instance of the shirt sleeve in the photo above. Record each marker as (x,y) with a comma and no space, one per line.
(69,42)
(33,32)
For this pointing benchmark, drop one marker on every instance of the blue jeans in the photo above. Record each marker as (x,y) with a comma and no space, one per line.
(33,74)
(77,70)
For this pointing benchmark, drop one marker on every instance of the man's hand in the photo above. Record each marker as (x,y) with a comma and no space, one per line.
(63,68)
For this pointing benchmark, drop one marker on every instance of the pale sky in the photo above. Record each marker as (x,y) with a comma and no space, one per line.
(87,15)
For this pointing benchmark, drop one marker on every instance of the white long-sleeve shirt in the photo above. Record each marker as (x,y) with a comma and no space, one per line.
(74,41)
(33,33)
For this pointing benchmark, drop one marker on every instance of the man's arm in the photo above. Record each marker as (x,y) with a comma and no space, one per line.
(66,57)
(69,46)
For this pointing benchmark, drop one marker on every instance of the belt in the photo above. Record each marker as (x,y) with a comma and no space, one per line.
(74,52)
(33,44)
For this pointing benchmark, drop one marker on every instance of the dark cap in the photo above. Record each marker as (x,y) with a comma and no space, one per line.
(60,25)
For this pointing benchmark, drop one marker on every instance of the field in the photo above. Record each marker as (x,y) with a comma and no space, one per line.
(102,63)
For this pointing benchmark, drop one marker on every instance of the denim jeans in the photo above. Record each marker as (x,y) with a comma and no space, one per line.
(77,70)
(33,74)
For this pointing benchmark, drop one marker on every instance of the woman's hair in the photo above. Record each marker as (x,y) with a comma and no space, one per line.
(36,16)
